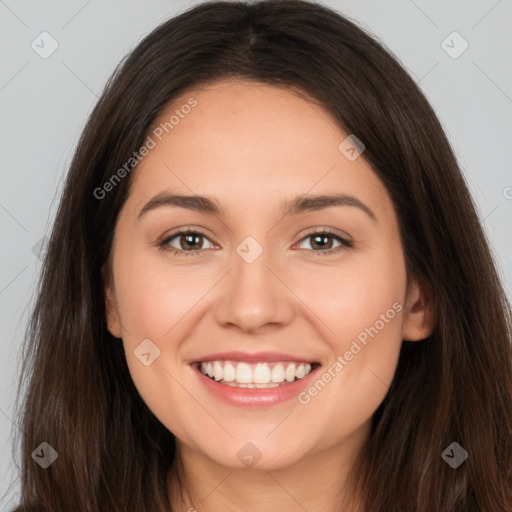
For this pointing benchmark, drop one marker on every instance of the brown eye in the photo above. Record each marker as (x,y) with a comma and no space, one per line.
(191,241)
(322,242)
(185,242)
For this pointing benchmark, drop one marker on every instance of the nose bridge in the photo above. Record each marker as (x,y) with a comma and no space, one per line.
(253,296)
(252,261)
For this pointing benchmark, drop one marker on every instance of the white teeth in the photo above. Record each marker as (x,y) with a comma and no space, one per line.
(217,371)
(277,373)
(301,371)
(243,373)
(261,374)
(290,373)
(254,375)
(229,372)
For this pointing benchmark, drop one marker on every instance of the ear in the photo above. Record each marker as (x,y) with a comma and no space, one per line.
(112,313)
(419,313)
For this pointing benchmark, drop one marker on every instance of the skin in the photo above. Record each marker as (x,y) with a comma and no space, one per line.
(251,147)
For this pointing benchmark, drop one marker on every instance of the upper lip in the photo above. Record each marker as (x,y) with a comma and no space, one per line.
(251,357)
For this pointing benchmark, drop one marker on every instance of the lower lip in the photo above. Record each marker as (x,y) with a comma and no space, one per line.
(255,397)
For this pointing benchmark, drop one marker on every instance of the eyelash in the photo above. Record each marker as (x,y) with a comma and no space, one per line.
(345,244)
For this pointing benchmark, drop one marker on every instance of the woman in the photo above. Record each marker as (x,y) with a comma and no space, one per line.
(266,285)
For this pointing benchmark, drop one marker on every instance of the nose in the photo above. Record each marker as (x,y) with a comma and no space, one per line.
(254,296)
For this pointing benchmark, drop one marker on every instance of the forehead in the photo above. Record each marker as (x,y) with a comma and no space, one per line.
(247,140)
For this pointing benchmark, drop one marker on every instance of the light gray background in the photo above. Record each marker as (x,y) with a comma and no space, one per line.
(44,104)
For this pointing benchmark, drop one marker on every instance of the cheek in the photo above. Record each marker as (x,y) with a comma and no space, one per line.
(153,303)
(151,297)
(349,298)
(362,304)
(149,308)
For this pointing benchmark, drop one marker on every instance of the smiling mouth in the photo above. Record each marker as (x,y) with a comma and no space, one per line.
(255,375)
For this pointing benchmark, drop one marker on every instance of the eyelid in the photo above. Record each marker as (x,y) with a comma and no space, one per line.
(184,230)
(329,231)
(346,241)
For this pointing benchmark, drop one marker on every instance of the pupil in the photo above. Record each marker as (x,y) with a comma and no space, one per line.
(321,237)
(188,239)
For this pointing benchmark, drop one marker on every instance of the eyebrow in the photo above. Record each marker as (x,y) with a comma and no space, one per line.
(301,204)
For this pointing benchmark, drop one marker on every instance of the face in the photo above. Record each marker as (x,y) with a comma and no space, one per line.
(296,308)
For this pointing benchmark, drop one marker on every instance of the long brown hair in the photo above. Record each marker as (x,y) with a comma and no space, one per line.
(454,386)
